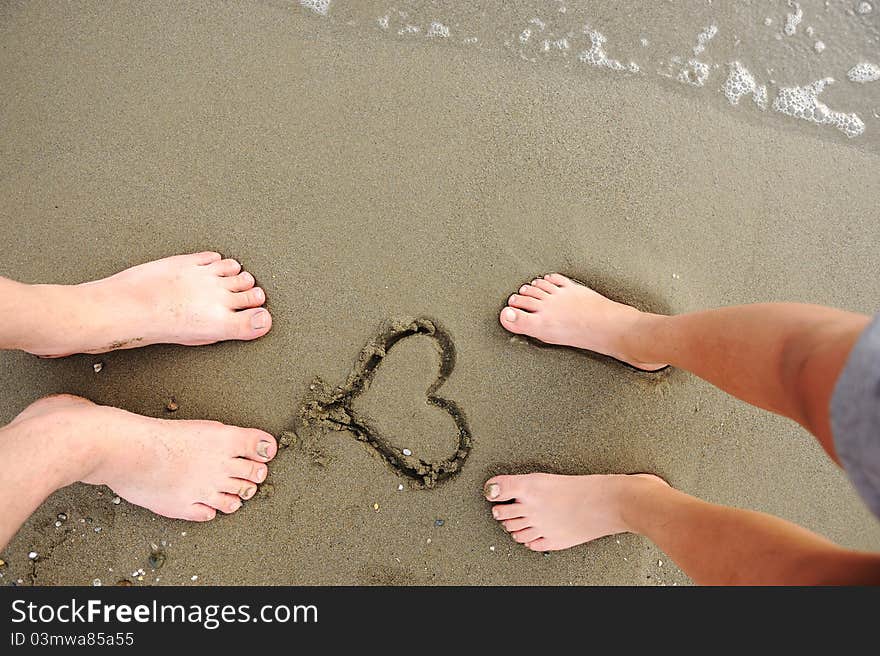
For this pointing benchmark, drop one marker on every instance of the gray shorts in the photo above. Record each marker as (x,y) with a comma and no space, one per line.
(855,416)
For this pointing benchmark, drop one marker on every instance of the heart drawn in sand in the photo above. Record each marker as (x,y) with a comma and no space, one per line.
(333,407)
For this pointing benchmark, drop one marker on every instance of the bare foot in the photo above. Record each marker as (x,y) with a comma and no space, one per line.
(180,469)
(550,512)
(557,310)
(186,299)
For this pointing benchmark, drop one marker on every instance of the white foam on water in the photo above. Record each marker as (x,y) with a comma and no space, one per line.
(695,73)
(803,103)
(704,37)
(819,46)
(555,44)
(438,30)
(645,43)
(538,23)
(792,20)
(740,82)
(470,39)
(596,55)
(768,21)
(864,72)
(864,8)
(317,6)
(383,22)
(525,35)
(409,29)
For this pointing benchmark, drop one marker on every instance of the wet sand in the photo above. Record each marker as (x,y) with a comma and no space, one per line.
(363,181)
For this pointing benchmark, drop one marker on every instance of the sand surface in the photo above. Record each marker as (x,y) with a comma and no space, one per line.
(363,181)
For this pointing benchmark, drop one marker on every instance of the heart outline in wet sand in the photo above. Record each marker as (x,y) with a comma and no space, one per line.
(332,408)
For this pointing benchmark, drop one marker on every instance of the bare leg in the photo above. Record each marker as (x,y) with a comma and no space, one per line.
(712,544)
(784,357)
(186,299)
(181,469)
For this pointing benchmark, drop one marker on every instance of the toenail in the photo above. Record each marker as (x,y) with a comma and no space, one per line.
(495,513)
(258,321)
(522,290)
(261,475)
(246,492)
(493,491)
(235,505)
(263,449)
(509,315)
(258,294)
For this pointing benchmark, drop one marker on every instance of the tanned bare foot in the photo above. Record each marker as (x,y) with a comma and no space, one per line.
(547,512)
(186,299)
(180,469)
(557,310)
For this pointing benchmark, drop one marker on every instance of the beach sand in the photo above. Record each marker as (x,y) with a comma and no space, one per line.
(364,181)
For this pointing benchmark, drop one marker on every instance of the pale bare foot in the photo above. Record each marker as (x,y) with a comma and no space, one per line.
(186,299)
(547,512)
(557,310)
(179,469)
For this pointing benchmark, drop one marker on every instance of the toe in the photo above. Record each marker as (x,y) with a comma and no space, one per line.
(518,321)
(227,268)
(518,524)
(532,291)
(559,280)
(504,488)
(206,257)
(239,487)
(545,285)
(247,470)
(240,283)
(526,303)
(250,324)
(541,544)
(526,535)
(199,512)
(255,445)
(501,511)
(250,299)
(224,502)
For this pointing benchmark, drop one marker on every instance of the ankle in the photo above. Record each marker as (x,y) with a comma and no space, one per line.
(633,496)
(67,444)
(639,341)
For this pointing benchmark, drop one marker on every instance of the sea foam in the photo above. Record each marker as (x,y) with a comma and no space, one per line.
(803,102)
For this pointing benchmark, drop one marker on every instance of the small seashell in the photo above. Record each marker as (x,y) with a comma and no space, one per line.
(33,555)
(376,507)
(407,452)
(97,582)
(97,367)
(400,487)
(62,517)
(439,522)
(171,405)
(194,577)
(2,563)
(57,524)
(157,557)
(116,501)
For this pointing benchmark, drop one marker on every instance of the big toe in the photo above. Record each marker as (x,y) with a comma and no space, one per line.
(504,488)
(255,445)
(250,324)
(518,321)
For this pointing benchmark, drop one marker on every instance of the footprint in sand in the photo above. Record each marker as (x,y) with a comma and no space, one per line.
(332,408)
